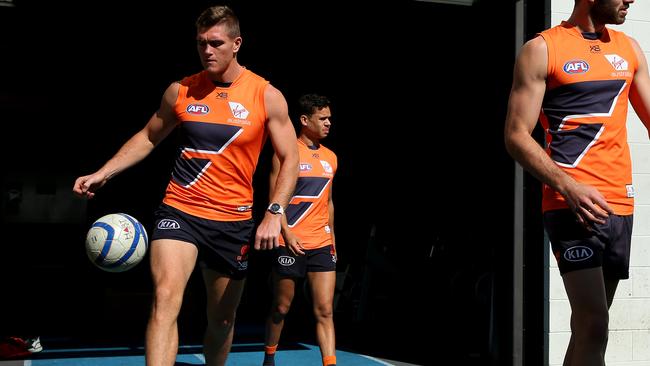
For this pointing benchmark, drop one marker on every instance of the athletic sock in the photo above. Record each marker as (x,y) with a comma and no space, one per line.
(269,355)
(329,361)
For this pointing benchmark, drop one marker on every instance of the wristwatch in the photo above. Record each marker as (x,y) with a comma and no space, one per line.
(275,209)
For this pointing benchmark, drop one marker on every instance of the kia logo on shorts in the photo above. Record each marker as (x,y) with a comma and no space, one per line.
(166,224)
(286,260)
(578,253)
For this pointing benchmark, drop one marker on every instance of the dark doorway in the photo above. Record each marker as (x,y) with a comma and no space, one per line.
(423,193)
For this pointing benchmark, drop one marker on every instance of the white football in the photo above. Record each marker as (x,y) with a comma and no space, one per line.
(116,242)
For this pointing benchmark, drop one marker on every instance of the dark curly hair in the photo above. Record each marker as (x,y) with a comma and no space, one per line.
(310,103)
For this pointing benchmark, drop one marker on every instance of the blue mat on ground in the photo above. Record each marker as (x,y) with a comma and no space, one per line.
(240,355)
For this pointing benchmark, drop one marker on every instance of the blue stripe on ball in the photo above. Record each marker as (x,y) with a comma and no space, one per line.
(107,244)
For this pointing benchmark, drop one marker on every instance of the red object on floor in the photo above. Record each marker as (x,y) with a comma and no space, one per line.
(13,347)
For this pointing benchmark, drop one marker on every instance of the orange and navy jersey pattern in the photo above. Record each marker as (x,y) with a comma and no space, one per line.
(308,211)
(584,112)
(223,130)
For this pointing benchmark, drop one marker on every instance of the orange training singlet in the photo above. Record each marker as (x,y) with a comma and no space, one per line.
(223,131)
(584,113)
(308,211)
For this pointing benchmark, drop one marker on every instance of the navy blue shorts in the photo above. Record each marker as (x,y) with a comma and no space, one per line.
(223,245)
(575,247)
(315,260)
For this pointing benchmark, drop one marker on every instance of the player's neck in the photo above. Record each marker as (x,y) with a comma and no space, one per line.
(308,141)
(230,74)
(585,23)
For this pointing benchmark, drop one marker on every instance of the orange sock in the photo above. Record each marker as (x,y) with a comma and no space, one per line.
(269,355)
(329,361)
(270,349)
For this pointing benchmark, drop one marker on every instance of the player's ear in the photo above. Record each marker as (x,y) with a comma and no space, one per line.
(236,44)
(303,120)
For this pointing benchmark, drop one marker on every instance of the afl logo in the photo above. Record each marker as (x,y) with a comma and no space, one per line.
(199,109)
(286,260)
(167,224)
(578,254)
(576,67)
(305,167)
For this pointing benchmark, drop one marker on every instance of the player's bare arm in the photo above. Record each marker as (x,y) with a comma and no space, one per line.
(291,241)
(526,96)
(136,148)
(330,209)
(640,88)
(283,139)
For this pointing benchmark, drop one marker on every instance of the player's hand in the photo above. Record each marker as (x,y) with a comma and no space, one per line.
(87,185)
(588,204)
(268,232)
(294,246)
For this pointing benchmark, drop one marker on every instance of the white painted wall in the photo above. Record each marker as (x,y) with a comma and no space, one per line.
(629,337)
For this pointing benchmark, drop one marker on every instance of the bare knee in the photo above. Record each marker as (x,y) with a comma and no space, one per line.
(280,311)
(221,323)
(323,312)
(166,301)
(598,329)
(593,328)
